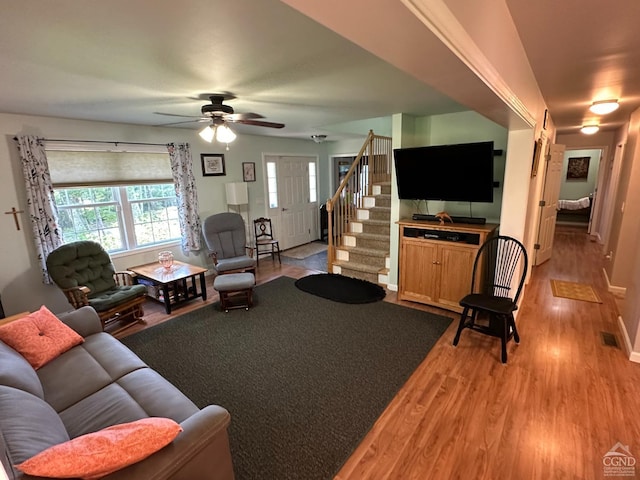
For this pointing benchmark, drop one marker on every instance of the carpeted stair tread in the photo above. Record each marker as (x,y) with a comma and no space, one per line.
(366,251)
(373,221)
(382,200)
(369,236)
(380,227)
(385,187)
(368,276)
(379,213)
(361,267)
(380,209)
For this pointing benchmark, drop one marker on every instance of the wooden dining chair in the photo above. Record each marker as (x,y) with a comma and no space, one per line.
(265,243)
(498,261)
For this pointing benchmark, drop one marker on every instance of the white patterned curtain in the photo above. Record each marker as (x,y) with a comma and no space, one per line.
(42,207)
(185,183)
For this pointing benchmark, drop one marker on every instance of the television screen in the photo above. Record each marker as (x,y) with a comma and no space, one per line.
(461,172)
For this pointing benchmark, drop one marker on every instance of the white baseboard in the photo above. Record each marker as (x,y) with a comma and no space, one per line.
(633,356)
(618,292)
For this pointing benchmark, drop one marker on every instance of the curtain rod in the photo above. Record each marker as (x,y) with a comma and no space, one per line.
(101,141)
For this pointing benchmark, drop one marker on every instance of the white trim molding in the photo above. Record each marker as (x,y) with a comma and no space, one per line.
(438,18)
(618,292)
(633,356)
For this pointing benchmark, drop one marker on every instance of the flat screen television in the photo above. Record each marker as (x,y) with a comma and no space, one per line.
(461,172)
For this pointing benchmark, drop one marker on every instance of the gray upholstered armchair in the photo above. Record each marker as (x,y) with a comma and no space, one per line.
(84,272)
(226,240)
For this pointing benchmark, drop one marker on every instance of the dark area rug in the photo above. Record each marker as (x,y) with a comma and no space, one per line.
(340,288)
(304,378)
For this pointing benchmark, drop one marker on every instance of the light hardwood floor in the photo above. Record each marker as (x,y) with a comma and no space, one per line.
(562,402)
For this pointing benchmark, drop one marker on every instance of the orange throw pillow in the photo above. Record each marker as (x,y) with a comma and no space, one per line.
(39,337)
(97,454)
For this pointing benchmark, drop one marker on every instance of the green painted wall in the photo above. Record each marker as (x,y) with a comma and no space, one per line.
(573,189)
(461,127)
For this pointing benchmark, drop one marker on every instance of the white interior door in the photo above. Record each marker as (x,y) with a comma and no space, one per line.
(549,209)
(295,213)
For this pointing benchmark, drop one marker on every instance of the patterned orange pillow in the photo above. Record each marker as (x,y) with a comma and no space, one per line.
(39,337)
(100,453)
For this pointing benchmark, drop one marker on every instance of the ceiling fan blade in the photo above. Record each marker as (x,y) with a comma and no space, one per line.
(197,120)
(234,117)
(260,123)
(176,115)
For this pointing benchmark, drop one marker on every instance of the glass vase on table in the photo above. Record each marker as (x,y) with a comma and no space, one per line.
(165,259)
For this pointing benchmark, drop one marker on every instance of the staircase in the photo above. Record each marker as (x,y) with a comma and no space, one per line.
(364,251)
(359,213)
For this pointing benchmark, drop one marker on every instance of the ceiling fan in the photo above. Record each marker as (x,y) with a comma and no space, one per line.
(217,114)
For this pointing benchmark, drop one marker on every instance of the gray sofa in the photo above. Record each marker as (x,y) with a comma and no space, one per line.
(98,384)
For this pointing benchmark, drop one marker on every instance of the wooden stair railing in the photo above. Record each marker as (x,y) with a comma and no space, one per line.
(372,165)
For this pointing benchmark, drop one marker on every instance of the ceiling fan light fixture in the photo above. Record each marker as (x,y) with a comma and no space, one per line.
(207,133)
(318,138)
(224,134)
(602,107)
(590,129)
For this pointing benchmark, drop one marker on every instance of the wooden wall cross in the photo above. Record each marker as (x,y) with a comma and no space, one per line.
(15,213)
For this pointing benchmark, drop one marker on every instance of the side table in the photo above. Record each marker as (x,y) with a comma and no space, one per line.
(172,286)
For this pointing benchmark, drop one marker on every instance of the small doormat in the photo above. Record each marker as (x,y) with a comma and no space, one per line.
(303,251)
(340,288)
(574,291)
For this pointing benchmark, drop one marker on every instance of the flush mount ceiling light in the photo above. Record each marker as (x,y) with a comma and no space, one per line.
(602,107)
(589,129)
(318,138)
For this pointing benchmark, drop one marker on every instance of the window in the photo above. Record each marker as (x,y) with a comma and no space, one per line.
(313,192)
(272,184)
(123,200)
(119,218)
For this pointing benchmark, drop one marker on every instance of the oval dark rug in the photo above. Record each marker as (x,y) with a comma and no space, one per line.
(340,288)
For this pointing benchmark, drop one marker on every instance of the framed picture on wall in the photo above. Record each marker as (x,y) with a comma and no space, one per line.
(537,151)
(248,171)
(212,164)
(578,168)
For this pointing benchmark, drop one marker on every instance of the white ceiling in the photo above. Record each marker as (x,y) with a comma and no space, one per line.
(582,51)
(121,61)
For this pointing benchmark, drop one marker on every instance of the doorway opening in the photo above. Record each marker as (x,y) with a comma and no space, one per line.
(291,184)
(579,183)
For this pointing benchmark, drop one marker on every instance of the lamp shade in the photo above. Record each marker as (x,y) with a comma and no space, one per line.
(225,134)
(237,193)
(207,133)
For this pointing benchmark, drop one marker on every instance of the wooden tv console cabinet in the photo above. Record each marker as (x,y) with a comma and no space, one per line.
(436,261)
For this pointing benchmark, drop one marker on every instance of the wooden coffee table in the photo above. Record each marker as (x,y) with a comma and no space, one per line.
(175,285)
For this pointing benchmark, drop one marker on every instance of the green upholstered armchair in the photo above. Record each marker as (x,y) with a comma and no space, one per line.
(84,272)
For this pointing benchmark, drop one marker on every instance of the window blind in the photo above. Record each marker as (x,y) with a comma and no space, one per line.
(81,168)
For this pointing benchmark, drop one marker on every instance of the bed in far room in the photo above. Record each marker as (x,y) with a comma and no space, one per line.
(575,211)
